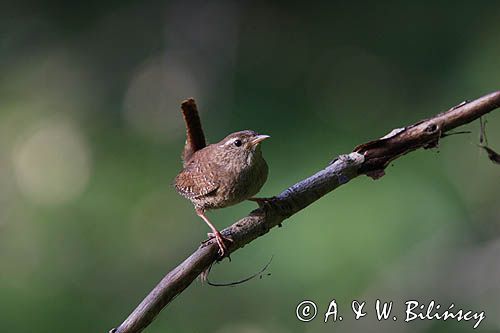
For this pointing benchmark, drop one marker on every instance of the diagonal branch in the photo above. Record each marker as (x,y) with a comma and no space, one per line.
(370,158)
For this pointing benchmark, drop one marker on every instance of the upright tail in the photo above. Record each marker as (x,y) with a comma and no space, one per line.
(195,139)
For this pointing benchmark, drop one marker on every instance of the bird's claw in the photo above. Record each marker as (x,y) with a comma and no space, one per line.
(223,251)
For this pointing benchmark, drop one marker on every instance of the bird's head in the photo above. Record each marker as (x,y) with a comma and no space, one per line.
(242,146)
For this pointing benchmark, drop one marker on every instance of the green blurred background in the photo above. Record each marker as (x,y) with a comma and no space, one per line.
(91,135)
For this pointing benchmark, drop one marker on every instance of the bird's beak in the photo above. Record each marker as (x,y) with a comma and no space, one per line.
(258,139)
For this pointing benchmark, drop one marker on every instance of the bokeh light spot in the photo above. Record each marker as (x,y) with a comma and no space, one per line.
(152,101)
(52,164)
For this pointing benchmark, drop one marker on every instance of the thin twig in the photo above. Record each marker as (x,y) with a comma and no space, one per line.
(370,158)
(234,283)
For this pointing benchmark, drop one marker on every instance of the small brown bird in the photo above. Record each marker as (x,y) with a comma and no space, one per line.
(223,174)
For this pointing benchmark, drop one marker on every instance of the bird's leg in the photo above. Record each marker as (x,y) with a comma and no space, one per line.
(263,201)
(218,236)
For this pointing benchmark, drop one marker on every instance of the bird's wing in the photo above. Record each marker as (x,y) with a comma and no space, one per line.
(194,182)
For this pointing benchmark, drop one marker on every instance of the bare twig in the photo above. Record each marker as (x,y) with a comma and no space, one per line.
(234,283)
(370,158)
(492,155)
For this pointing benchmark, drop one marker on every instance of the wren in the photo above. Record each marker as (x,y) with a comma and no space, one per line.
(223,174)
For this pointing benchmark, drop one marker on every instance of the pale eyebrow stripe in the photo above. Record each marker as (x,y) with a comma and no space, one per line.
(229,142)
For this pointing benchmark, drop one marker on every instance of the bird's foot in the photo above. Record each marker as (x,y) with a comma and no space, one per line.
(263,201)
(221,242)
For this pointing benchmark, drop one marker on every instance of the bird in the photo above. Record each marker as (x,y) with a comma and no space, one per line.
(221,174)
(224,174)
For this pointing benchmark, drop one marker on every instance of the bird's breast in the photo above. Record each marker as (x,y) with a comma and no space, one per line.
(242,184)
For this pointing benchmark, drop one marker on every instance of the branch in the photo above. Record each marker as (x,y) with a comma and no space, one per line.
(370,158)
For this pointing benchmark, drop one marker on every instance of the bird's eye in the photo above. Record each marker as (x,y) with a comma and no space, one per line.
(237,143)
